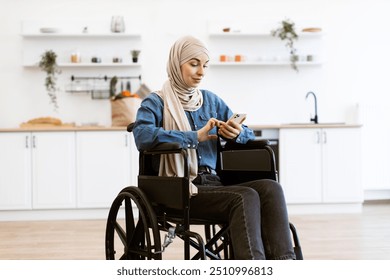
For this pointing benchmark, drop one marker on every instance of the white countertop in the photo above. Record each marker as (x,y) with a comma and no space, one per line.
(64,128)
(123,128)
(303,125)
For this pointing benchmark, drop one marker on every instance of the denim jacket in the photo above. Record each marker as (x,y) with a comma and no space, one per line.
(148,130)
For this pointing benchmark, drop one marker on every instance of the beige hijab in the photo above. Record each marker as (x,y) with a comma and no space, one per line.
(178,97)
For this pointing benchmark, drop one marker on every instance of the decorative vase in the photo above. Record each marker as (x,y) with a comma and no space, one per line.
(117,24)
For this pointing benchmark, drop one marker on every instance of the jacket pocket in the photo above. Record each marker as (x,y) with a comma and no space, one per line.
(204,118)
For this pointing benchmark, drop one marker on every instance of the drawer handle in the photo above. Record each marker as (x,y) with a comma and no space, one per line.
(126,141)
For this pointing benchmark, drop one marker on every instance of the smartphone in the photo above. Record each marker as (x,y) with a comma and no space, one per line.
(238,118)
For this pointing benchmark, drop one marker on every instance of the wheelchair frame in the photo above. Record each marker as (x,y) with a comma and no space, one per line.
(165,208)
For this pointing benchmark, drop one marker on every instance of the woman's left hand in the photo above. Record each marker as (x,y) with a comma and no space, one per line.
(229,129)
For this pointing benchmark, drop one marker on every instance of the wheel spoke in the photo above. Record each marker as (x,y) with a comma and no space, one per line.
(129,220)
(121,233)
(129,215)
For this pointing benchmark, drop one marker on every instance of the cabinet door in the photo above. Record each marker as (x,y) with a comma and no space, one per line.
(300,165)
(15,171)
(103,164)
(53,155)
(342,165)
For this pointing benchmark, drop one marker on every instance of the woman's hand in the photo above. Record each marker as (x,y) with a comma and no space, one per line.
(203,133)
(229,129)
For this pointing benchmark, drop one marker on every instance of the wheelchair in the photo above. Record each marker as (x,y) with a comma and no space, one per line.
(139,216)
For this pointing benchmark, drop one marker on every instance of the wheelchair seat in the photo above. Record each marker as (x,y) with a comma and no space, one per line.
(139,215)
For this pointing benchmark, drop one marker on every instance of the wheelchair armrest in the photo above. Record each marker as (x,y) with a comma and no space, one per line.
(252,144)
(165,148)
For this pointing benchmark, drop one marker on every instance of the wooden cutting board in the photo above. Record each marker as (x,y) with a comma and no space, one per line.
(45,125)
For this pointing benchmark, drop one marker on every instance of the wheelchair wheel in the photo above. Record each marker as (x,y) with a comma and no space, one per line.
(131,235)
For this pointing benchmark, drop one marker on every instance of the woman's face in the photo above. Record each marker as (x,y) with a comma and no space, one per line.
(193,70)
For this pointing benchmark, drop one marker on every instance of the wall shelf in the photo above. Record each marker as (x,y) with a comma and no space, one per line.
(76,45)
(88,65)
(81,35)
(262,63)
(87,39)
(254,45)
(260,34)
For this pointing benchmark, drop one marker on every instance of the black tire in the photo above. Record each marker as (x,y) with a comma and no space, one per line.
(138,236)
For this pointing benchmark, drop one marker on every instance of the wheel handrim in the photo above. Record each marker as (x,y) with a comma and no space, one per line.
(140,237)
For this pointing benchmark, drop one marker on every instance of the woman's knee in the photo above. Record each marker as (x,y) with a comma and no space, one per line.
(268,187)
(247,196)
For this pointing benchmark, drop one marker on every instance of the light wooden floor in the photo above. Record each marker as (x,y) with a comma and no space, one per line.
(363,236)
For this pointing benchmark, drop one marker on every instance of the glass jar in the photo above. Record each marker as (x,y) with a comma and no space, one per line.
(75,57)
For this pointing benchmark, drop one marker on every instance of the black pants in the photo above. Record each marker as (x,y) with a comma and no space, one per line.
(256,212)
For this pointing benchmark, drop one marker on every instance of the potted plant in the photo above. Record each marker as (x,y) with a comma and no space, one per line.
(134,55)
(287,32)
(49,65)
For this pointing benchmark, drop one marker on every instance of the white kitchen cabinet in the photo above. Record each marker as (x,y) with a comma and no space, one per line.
(37,170)
(300,165)
(320,165)
(15,174)
(104,164)
(53,169)
(76,173)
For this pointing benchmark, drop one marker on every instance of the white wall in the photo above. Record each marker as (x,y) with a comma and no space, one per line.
(356,69)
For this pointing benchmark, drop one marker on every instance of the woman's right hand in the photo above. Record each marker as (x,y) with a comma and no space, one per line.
(229,129)
(203,133)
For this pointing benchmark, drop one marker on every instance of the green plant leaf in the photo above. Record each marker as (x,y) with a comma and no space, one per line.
(49,65)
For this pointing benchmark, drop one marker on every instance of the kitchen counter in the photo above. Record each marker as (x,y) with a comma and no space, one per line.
(123,128)
(303,125)
(64,128)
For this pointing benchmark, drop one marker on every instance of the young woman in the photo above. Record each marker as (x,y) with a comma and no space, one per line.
(181,112)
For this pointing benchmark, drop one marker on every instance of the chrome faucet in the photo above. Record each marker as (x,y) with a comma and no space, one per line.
(315,119)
